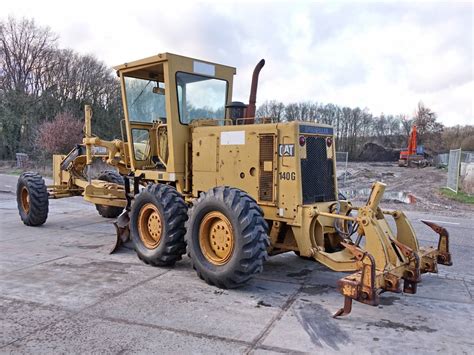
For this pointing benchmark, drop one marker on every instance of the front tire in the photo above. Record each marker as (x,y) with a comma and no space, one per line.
(226,237)
(157,222)
(32,199)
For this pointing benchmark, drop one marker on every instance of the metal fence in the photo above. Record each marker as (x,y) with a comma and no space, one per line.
(467,157)
(21,160)
(341,166)
(454,166)
(443,159)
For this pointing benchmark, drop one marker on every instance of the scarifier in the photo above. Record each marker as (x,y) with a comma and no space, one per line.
(196,170)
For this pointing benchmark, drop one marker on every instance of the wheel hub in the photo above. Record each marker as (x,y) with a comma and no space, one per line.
(150,226)
(216,238)
(25,199)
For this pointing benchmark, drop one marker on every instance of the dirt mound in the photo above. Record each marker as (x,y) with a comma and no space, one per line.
(375,152)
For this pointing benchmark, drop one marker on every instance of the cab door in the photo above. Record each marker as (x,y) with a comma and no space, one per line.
(143,96)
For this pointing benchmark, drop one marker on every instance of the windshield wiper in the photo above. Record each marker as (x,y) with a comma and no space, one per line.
(140,94)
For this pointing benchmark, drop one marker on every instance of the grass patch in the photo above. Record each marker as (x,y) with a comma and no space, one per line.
(460,196)
(14,172)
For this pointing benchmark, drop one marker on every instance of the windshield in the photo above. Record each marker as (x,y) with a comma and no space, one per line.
(200,97)
(145,100)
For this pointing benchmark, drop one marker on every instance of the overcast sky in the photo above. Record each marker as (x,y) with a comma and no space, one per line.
(383,56)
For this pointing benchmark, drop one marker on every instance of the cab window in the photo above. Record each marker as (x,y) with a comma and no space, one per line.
(145,100)
(200,97)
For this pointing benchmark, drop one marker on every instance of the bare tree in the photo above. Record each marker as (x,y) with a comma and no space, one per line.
(271,109)
(406,124)
(425,120)
(39,81)
(25,53)
(292,112)
(25,49)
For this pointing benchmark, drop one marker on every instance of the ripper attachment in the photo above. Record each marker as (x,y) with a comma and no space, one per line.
(387,259)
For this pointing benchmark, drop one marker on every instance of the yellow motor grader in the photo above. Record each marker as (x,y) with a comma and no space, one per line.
(196,170)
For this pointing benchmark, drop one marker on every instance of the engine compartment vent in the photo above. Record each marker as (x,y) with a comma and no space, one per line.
(317,173)
(266,168)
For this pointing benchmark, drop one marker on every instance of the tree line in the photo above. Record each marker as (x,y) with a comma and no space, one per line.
(39,81)
(355,126)
(43,90)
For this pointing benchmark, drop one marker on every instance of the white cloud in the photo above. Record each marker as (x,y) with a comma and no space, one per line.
(384,56)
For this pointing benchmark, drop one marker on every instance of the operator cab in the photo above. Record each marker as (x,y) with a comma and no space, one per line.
(162,96)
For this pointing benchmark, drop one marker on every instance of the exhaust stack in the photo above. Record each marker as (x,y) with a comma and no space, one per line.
(250,111)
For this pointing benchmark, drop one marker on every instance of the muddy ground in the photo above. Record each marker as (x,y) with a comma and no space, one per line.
(409,189)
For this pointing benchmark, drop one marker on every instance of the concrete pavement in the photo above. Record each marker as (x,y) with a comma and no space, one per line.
(61,292)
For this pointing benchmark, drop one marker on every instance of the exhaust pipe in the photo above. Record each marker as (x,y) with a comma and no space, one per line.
(250,111)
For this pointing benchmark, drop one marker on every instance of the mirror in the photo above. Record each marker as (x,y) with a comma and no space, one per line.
(158,90)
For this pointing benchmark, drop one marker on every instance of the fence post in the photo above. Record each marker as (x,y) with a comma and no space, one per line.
(454,166)
(21,160)
(342,157)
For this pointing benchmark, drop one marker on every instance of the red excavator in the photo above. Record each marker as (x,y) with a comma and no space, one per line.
(412,156)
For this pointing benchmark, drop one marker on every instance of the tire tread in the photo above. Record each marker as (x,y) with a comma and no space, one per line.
(39,203)
(175,211)
(254,235)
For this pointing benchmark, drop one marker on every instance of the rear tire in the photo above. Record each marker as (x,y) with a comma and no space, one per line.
(110,211)
(32,199)
(227,237)
(157,225)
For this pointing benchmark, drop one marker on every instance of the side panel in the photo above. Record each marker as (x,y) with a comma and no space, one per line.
(204,162)
(230,155)
(289,177)
(205,154)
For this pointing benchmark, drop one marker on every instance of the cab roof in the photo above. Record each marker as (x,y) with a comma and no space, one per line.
(162,57)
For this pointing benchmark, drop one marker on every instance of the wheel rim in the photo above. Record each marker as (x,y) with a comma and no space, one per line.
(150,226)
(216,238)
(25,199)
